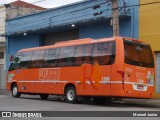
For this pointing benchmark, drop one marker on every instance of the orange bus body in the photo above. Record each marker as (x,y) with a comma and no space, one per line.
(118,79)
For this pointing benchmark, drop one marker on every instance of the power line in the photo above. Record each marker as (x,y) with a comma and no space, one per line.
(87,14)
(59,15)
(71,18)
(67,13)
(38,1)
(50,25)
(150,10)
(143,4)
(63,14)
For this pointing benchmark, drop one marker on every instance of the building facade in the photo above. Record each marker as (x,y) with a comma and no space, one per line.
(149,31)
(9,11)
(73,21)
(2,33)
(2,45)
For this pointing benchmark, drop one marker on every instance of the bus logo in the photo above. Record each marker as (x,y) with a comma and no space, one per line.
(49,74)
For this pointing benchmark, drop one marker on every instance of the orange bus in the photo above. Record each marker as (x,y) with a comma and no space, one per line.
(101,69)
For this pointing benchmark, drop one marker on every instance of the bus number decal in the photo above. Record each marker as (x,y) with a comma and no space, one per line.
(49,74)
(106,79)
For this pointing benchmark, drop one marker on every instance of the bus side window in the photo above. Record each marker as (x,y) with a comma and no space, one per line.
(87,51)
(103,53)
(37,59)
(78,56)
(65,57)
(25,59)
(50,59)
(95,55)
(107,52)
(83,55)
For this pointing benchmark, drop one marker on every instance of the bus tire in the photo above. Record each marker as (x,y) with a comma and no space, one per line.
(44,96)
(15,92)
(71,95)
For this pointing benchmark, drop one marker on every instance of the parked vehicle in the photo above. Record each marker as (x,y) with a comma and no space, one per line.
(102,69)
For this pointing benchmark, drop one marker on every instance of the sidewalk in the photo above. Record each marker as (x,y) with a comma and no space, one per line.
(4,92)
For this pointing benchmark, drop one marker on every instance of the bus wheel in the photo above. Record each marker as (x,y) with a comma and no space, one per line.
(44,96)
(15,92)
(70,95)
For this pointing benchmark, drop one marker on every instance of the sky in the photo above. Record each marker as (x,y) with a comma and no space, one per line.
(44,3)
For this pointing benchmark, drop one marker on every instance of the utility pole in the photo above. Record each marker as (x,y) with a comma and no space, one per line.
(115,18)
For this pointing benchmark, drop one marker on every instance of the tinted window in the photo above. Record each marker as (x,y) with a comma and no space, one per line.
(22,60)
(50,59)
(37,59)
(25,59)
(103,53)
(83,54)
(25,56)
(65,57)
(139,54)
(15,64)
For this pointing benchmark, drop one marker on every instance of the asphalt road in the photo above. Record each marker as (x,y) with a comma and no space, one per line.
(54,103)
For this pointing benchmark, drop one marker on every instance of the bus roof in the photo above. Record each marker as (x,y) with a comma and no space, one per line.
(68,43)
(74,42)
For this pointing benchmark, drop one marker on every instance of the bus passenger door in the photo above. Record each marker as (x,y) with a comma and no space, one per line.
(97,72)
(96,80)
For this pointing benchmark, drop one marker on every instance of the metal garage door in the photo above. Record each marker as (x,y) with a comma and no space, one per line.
(52,38)
(158,72)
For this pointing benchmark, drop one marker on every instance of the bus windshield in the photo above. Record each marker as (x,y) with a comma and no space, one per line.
(15,63)
(138,54)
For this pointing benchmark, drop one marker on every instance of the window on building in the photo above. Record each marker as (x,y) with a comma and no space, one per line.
(1,55)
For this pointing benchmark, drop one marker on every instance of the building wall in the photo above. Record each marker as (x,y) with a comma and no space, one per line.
(19,42)
(13,11)
(104,29)
(8,13)
(2,20)
(62,16)
(149,17)
(61,19)
(2,32)
(2,46)
(96,31)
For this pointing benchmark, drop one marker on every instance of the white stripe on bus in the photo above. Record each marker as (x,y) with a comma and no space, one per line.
(48,81)
(87,82)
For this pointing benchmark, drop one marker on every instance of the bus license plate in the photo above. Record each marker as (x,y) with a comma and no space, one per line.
(140,87)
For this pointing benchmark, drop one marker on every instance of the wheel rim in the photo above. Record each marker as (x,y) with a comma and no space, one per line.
(15,90)
(70,95)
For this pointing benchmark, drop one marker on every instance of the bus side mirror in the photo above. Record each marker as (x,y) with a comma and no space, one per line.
(11,57)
